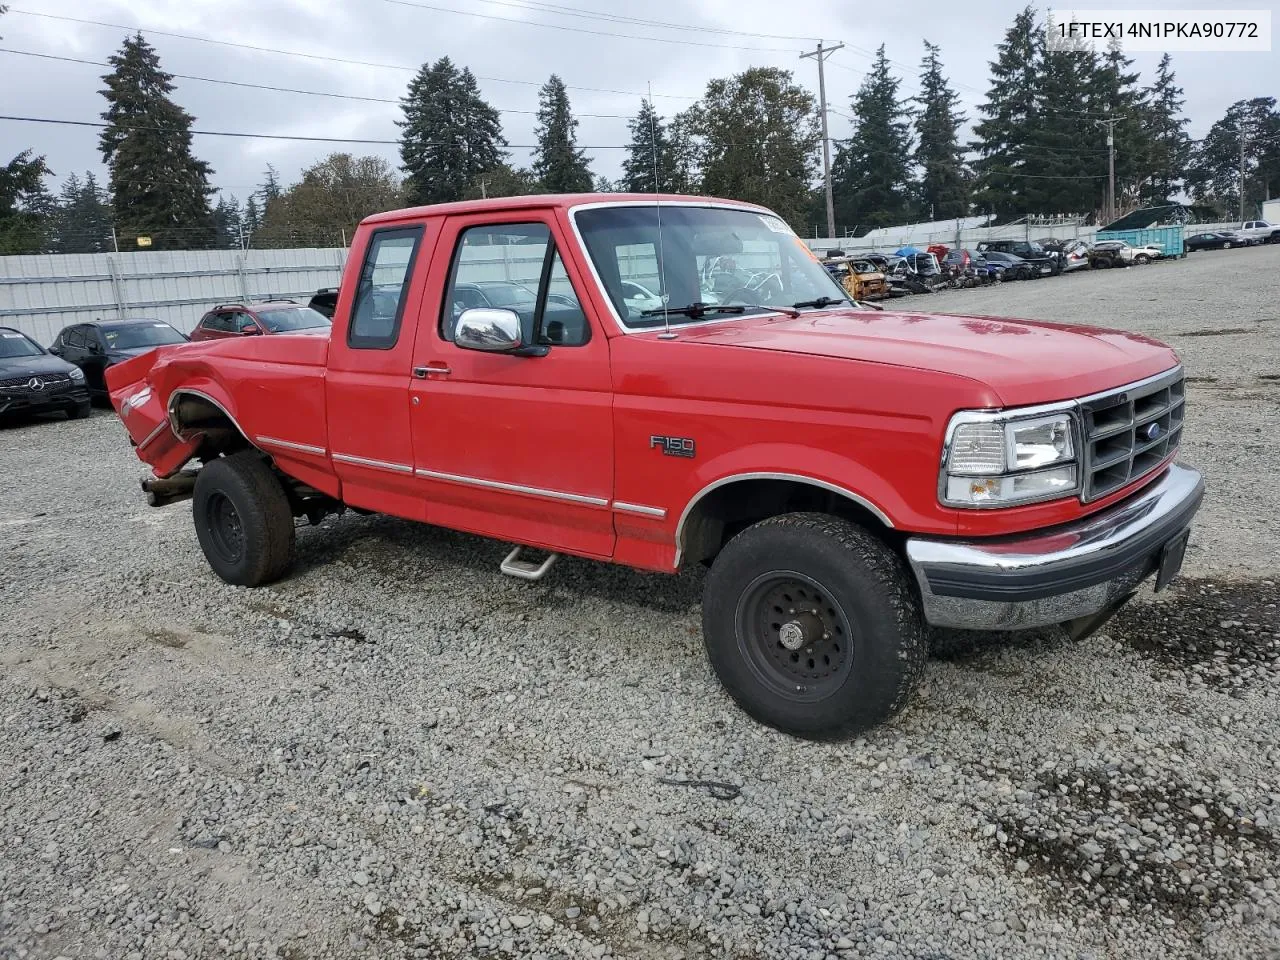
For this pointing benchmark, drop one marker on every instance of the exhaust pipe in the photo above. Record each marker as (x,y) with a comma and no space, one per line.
(164,491)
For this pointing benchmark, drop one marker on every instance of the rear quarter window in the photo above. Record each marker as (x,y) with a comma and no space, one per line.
(382,289)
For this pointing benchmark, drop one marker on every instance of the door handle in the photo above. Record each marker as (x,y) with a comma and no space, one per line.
(436,368)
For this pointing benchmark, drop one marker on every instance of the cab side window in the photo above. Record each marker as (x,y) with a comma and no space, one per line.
(378,308)
(515,267)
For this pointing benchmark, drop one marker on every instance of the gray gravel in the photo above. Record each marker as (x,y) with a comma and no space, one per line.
(400,753)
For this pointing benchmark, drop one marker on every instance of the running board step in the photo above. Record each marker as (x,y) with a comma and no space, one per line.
(513,566)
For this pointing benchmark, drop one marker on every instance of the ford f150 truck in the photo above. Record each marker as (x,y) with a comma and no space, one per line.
(851,478)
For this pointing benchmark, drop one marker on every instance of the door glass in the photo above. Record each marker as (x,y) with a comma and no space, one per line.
(502,267)
(380,296)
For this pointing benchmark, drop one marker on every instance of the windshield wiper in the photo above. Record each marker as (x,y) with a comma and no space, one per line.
(695,310)
(820,302)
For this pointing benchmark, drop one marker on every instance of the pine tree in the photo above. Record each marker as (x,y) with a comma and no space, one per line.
(944,184)
(1113,92)
(558,163)
(756,139)
(270,189)
(1214,175)
(871,174)
(504,181)
(649,151)
(1008,114)
(685,172)
(1170,145)
(1064,146)
(251,219)
(227,223)
(24,227)
(159,189)
(83,220)
(451,135)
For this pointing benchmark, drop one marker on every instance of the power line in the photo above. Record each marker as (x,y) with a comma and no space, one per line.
(567,11)
(323,58)
(594,33)
(263,86)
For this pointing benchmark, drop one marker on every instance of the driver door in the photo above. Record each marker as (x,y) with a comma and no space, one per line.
(515,447)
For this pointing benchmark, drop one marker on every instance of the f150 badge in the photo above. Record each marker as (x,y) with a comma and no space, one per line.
(673,446)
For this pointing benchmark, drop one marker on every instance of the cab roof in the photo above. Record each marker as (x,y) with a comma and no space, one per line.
(542,201)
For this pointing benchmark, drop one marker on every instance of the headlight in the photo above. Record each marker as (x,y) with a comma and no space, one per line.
(1003,459)
(76,373)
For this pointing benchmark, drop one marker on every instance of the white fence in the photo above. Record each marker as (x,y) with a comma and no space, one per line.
(42,294)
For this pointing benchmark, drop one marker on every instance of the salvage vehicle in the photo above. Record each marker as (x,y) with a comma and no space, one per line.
(97,345)
(858,277)
(1110,253)
(851,478)
(266,317)
(1044,262)
(1210,241)
(1015,268)
(32,380)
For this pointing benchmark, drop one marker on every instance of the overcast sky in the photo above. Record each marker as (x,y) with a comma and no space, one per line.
(512,56)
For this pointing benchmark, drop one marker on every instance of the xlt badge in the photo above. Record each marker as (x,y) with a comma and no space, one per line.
(673,446)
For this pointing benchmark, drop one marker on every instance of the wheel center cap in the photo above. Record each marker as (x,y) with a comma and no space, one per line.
(792,635)
(803,631)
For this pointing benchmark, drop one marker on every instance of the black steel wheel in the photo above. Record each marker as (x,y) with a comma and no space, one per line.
(226,534)
(243,519)
(794,635)
(812,625)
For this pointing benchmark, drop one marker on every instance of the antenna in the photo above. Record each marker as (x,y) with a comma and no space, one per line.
(657,200)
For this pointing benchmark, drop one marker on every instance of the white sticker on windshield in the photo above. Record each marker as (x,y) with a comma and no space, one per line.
(159,324)
(775,224)
(13,336)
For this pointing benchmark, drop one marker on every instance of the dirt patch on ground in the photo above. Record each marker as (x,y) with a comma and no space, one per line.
(1223,633)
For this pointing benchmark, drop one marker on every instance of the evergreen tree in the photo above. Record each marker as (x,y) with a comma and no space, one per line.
(1063,144)
(757,138)
(558,163)
(648,151)
(451,135)
(159,189)
(944,184)
(871,174)
(685,172)
(1214,176)
(1008,114)
(1113,92)
(504,181)
(227,223)
(251,219)
(605,185)
(1170,146)
(270,189)
(83,217)
(24,205)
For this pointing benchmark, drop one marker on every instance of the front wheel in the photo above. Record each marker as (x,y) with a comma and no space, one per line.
(243,520)
(1227,245)
(811,625)
(1142,260)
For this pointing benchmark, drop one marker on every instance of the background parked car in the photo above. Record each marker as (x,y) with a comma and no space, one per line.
(325,301)
(1071,254)
(95,346)
(1258,231)
(1042,260)
(1015,268)
(1210,241)
(1110,253)
(32,380)
(268,317)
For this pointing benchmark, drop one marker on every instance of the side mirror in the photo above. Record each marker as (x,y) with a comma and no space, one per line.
(493,330)
(252,330)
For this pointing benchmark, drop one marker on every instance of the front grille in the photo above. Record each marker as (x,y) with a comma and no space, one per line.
(49,379)
(1130,431)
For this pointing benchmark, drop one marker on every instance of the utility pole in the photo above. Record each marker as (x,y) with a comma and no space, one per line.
(1244,132)
(1111,166)
(821,55)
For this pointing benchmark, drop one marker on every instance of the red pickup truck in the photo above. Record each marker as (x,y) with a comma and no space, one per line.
(664,381)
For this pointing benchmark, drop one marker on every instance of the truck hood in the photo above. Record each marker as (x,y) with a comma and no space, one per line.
(1023,361)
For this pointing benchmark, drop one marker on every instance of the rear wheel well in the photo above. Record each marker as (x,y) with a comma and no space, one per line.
(726,511)
(220,435)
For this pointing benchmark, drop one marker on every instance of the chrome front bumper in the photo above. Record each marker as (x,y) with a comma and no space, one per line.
(1060,575)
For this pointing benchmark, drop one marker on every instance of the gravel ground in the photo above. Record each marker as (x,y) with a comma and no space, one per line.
(400,753)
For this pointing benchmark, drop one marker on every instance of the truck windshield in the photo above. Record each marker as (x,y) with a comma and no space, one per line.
(712,256)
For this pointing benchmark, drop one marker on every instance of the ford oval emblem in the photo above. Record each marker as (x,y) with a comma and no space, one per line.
(1152,431)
